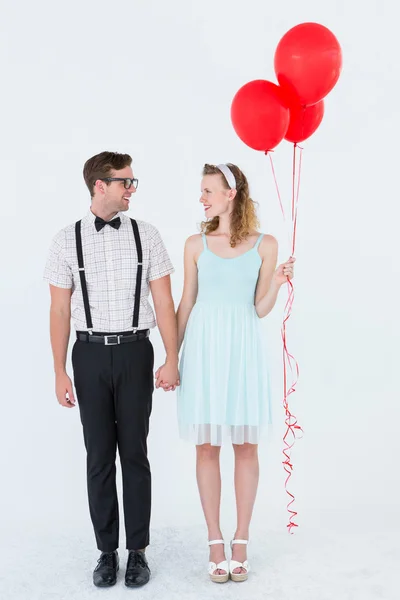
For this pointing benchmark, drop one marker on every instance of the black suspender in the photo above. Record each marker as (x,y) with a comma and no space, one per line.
(79,252)
(138,289)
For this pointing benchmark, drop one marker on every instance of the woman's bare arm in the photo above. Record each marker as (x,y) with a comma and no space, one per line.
(193,249)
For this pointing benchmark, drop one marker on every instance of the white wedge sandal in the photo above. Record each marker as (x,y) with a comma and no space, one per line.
(234,564)
(223,566)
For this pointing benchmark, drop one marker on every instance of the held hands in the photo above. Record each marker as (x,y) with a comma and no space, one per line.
(167,376)
(65,391)
(284,272)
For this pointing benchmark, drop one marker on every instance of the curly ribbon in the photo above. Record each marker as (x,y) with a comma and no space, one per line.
(290,365)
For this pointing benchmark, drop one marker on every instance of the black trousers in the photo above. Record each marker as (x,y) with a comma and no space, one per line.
(114,387)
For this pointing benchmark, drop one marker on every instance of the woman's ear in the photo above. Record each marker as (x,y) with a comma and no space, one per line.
(231,195)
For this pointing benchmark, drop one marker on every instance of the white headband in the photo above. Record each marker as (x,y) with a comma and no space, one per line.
(229,176)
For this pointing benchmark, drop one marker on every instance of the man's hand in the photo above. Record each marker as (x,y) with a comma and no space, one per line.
(167,376)
(64,390)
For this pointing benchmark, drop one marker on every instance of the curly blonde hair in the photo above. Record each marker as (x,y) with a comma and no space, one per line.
(244,217)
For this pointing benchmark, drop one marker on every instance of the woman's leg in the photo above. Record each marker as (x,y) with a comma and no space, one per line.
(246,483)
(209,483)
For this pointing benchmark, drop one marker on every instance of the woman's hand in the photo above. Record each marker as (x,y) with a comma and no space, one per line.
(284,272)
(167,376)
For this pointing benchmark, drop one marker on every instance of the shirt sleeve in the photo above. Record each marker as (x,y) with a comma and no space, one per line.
(160,263)
(57,271)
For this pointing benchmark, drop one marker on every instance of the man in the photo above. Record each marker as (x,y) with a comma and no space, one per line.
(105,265)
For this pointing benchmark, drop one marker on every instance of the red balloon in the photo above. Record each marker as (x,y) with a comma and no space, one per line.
(308,62)
(260,115)
(304,121)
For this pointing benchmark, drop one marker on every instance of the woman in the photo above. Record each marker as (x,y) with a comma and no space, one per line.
(230,284)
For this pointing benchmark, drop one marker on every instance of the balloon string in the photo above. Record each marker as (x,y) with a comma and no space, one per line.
(295,202)
(280,199)
(293,181)
(290,365)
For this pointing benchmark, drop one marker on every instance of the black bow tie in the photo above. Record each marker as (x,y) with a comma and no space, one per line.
(100,223)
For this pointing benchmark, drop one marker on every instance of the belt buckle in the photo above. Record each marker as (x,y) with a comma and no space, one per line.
(108,338)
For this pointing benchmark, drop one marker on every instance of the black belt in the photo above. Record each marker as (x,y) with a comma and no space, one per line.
(112,339)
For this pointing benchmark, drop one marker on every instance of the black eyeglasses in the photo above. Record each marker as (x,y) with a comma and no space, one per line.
(128,182)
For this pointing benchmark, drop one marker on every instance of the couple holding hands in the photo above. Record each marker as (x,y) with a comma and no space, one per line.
(101,271)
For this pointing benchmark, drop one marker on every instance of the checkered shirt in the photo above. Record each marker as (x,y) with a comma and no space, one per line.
(110,261)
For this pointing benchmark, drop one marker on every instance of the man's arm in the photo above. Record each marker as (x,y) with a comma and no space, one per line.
(160,289)
(60,325)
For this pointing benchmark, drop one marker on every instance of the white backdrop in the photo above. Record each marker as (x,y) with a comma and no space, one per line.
(155,79)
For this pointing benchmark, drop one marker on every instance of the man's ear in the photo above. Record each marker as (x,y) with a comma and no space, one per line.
(99,186)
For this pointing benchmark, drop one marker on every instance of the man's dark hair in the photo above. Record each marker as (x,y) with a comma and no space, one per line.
(102,165)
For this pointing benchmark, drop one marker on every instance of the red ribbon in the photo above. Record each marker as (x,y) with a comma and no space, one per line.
(290,365)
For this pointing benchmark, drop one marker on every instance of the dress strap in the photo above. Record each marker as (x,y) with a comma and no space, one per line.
(203,235)
(258,242)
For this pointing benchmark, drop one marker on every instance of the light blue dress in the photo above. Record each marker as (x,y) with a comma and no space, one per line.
(223,367)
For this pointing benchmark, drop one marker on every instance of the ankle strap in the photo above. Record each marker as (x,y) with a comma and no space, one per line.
(239,542)
(213,542)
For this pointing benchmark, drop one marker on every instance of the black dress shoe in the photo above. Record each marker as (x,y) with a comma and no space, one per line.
(105,574)
(137,569)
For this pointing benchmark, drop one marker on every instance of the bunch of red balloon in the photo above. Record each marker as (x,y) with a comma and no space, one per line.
(308,62)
